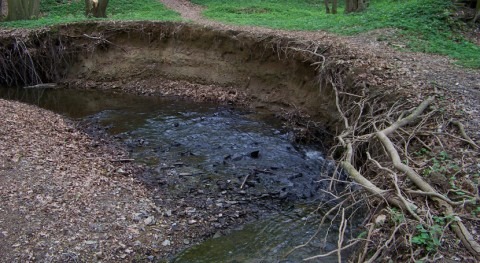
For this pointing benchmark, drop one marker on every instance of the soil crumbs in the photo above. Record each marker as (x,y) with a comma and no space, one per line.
(66,197)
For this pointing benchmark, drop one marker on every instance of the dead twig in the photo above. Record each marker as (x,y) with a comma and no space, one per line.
(332,252)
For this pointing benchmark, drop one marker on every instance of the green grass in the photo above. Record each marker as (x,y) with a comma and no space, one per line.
(424,25)
(74,11)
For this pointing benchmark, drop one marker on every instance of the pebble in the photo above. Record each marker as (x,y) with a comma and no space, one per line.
(166,243)
(217,234)
(149,221)
(137,217)
(137,243)
(190,210)
(186,241)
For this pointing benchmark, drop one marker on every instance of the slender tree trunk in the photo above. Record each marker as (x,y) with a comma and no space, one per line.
(334,6)
(96,8)
(354,6)
(22,9)
(477,12)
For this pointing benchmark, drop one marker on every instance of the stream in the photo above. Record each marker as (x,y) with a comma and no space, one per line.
(236,166)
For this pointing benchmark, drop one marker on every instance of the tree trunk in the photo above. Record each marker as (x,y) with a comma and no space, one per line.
(477,12)
(334,6)
(96,8)
(22,9)
(354,6)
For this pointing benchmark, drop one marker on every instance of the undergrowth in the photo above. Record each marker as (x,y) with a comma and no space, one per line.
(66,11)
(423,25)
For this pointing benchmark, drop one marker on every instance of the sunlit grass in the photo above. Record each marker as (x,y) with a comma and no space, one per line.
(424,25)
(53,12)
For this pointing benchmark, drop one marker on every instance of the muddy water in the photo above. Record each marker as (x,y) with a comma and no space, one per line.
(238,161)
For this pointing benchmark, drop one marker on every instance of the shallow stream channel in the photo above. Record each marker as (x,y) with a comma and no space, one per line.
(250,193)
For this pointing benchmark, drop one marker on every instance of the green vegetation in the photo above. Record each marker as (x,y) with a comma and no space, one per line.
(74,11)
(419,25)
(424,25)
(429,237)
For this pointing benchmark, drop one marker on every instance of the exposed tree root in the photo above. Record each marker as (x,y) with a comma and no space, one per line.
(464,134)
(458,227)
(369,131)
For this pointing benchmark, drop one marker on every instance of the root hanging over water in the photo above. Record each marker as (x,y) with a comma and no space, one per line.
(44,58)
(420,182)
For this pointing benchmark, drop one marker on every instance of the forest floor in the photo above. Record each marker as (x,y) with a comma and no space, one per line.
(65,196)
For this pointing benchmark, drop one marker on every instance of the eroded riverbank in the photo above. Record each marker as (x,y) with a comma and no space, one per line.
(316,82)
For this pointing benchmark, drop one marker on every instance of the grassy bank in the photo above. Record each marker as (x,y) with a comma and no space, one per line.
(53,12)
(423,25)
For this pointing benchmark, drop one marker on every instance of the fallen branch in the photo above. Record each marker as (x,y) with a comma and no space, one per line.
(341,234)
(245,180)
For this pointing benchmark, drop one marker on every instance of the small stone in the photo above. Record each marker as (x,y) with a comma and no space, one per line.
(91,242)
(190,210)
(186,241)
(380,220)
(166,243)
(150,258)
(137,217)
(149,221)
(217,235)
(137,243)
(16,158)
(168,213)
(99,255)
(191,222)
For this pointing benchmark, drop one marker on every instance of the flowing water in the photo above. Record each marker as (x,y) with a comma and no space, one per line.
(250,155)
